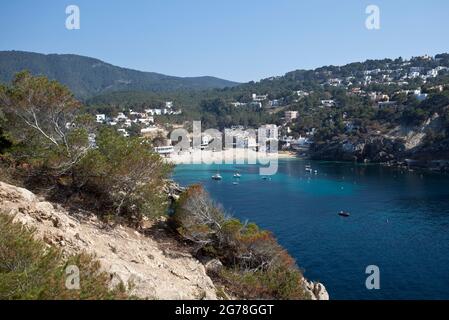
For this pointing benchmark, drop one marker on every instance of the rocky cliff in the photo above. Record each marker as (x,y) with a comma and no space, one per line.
(373,148)
(129,256)
(395,145)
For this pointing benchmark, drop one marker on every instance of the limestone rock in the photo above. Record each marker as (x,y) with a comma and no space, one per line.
(316,290)
(127,255)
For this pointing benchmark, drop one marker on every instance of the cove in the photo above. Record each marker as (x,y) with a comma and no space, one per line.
(399,222)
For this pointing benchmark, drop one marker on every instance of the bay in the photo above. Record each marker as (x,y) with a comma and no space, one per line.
(399,222)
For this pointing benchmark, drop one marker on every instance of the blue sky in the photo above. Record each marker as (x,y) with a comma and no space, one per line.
(238,40)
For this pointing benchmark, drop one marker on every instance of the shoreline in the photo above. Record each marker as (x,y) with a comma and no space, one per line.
(230,156)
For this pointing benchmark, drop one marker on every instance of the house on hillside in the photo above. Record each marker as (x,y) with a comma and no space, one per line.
(328,103)
(291,115)
(101,118)
(259,98)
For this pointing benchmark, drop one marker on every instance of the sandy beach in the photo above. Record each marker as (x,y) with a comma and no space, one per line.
(230,156)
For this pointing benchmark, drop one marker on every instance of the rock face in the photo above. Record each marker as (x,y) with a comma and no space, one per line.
(388,145)
(127,255)
(316,290)
(360,149)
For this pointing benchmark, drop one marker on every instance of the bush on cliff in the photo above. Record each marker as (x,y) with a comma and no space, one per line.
(41,118)
(125,175)
(52,150)
(256,265)
(30,270)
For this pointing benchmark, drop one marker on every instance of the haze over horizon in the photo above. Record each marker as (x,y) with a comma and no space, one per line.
(233,40)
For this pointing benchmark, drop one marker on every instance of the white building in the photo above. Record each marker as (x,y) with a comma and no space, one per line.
(259,98)
(154,112)
(101,118)
(291,115)
(205,140)
(432,73)
(271,130)
(328,103)
(165,151)
(274,103)
(146,120)
(419,95)
(301,93)
(121,117)
(335,82)
(238,104)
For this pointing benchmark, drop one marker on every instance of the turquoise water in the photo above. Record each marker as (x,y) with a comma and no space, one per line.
(399,222)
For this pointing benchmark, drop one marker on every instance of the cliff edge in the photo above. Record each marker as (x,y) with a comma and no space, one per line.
(124,253)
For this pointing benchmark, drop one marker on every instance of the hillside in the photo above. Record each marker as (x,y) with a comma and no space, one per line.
(88,77)
(127,255)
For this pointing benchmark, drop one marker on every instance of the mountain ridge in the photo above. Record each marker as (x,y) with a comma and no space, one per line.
(88,77)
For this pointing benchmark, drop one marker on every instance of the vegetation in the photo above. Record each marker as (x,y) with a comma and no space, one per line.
(256,266)
(29,270)
(87,77)
(54,146)
(124,176)
(42,122)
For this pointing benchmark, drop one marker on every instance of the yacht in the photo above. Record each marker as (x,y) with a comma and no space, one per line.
(217,177)
(344,214)
(237,175)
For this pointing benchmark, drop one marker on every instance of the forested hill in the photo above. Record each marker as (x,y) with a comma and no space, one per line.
(88,77)
(385,75)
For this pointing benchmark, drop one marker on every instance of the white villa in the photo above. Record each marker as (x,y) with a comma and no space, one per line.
(259,98)
(100,118)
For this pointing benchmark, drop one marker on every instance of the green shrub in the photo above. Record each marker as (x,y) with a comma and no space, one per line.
(41,119)
(125,176)
(30,270)
(197,218)
(256,266)
(280,283)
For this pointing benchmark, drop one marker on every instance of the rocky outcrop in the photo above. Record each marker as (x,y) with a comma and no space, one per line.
(360,149)
(388,146)
(126,254)
(316,290)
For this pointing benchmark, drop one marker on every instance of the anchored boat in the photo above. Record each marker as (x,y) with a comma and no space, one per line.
(344,214)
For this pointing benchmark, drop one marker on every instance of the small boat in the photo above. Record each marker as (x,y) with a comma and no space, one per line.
(237,175)
(344,214)
(316,171)
(235,183)
(217,177)
(309,169)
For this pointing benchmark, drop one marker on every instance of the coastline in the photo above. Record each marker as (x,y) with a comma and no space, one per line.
(237,155)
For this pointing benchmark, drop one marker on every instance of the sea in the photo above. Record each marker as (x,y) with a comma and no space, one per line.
(398,224)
